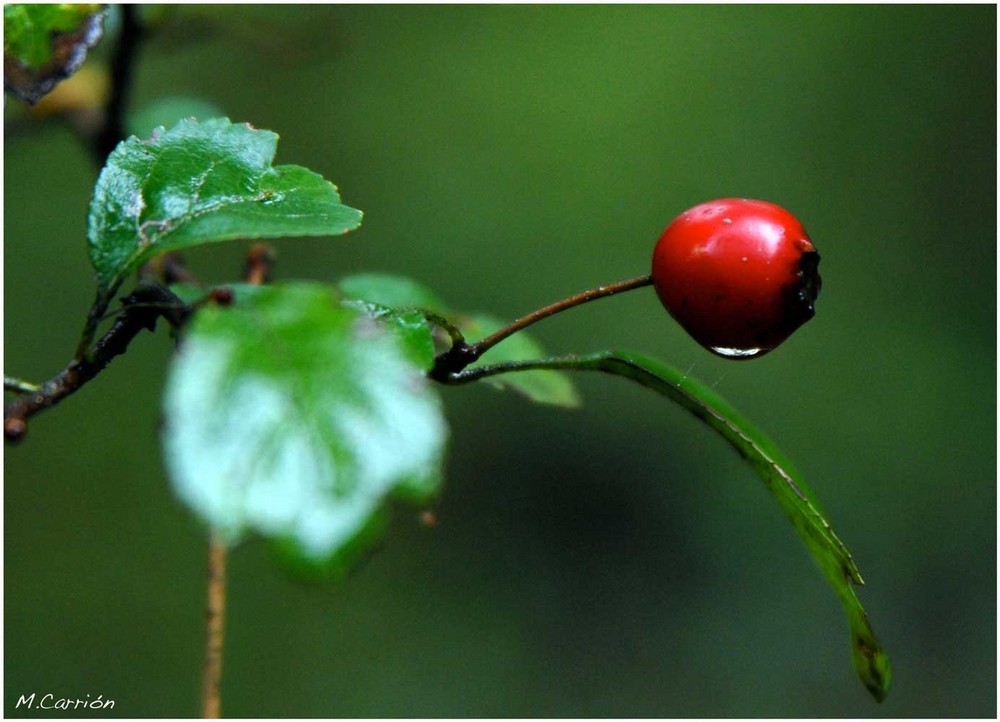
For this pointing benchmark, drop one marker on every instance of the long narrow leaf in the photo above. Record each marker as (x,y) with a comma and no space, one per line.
(787,486)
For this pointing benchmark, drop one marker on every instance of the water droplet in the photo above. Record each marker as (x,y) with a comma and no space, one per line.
(737,353)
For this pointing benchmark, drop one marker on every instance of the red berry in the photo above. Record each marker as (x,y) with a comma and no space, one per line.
(739,275)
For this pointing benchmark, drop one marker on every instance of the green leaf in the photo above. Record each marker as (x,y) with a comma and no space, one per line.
(190,293)
(392,291)
(295,417)
(199,183)
(404,293)
(546,387)
(43,44)
(785,484)
(29,30)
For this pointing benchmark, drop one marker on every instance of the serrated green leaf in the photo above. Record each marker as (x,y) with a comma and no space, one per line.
(295,417)
(202,182)
(544,387)
(786,485)
(44,44)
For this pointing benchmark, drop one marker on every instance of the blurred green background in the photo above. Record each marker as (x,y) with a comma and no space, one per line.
(618,560)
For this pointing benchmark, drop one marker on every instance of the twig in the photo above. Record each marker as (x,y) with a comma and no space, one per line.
(19,386)
(260,264)
(122,65)
(461,354)
(258,268)
(215,617)
(142,308)
(95,314)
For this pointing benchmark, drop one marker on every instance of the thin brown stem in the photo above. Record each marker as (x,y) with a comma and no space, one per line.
(461,354)
(580,298)
(94,316)
(259,264)
(215,617)
(257,272)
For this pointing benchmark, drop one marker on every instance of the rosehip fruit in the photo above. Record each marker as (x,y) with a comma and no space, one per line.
(739,275)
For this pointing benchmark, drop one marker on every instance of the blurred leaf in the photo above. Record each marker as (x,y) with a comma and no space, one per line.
(393,291)
(399,292)
(295,417)
(167,112)
(43,44)
(784,483)
(198,183)
(190,293)
(408,323)
(546,387)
